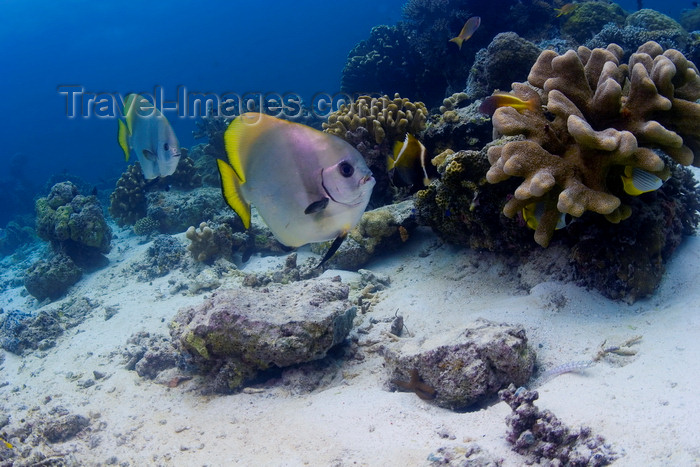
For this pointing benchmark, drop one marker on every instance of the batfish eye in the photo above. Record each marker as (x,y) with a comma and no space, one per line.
(166,147)
(346,169)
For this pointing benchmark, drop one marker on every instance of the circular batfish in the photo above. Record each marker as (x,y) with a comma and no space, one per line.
(146,132)
(308,186)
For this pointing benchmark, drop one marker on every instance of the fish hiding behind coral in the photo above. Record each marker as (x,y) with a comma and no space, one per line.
(601,121)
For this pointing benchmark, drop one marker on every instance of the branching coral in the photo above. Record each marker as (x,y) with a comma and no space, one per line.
(598,117)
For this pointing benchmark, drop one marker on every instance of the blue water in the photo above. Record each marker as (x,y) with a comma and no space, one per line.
(120,47)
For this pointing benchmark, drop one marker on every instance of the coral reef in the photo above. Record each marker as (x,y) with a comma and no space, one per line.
(186,176)
(457,128)
(541,436)
(163,255)
(175,211)
(508,58)
(236,334)
(594,126)
(373,125)
(50,279)
(464,209)
(21,331)
(146,226)
(72,222)
(465,367)
(641,27)
(128,200)
(626,261)
(623,261)
(372,64)
(379,230)
(205,163)
(207,243)
(590,17)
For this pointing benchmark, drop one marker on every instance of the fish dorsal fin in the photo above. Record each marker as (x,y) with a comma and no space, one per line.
(231,189)
(316,206)
(123,138)
(238,137)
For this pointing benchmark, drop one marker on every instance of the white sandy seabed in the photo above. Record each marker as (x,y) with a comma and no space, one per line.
(648,408)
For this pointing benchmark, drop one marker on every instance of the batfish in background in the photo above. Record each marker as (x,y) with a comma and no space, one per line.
(146,132)
(308,186)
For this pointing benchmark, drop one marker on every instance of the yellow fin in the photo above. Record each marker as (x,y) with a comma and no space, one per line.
(240,134)
(457,40)
(637,181)
(231,189)
(122,137)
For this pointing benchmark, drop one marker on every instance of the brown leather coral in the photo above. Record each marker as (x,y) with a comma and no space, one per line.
(597,117)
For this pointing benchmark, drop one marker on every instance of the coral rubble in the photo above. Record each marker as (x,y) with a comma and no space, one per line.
(236,334)
(464,369)
(541,436)
(592,126)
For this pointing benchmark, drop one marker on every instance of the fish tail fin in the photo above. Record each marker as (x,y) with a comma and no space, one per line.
(122,137)
(231,189)
(457,40)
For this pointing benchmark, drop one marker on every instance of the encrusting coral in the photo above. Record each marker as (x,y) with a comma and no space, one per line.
(598,117)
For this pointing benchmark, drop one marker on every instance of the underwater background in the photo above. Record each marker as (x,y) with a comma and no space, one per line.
(121,47)
(514,217)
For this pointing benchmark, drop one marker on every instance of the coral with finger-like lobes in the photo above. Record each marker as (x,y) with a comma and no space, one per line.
(592,138)
(208,243)
(372,125)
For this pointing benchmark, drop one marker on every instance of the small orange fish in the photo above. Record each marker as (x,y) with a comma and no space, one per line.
(469,28)
(566,9)
(495,101)
(403,233)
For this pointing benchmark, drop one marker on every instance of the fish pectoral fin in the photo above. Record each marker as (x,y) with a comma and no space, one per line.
(123,138)
(231,189)
(316,206)
(150,155)
(333,248)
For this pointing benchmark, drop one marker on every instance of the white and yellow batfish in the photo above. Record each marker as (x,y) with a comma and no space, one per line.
(308,186)
(146,132)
